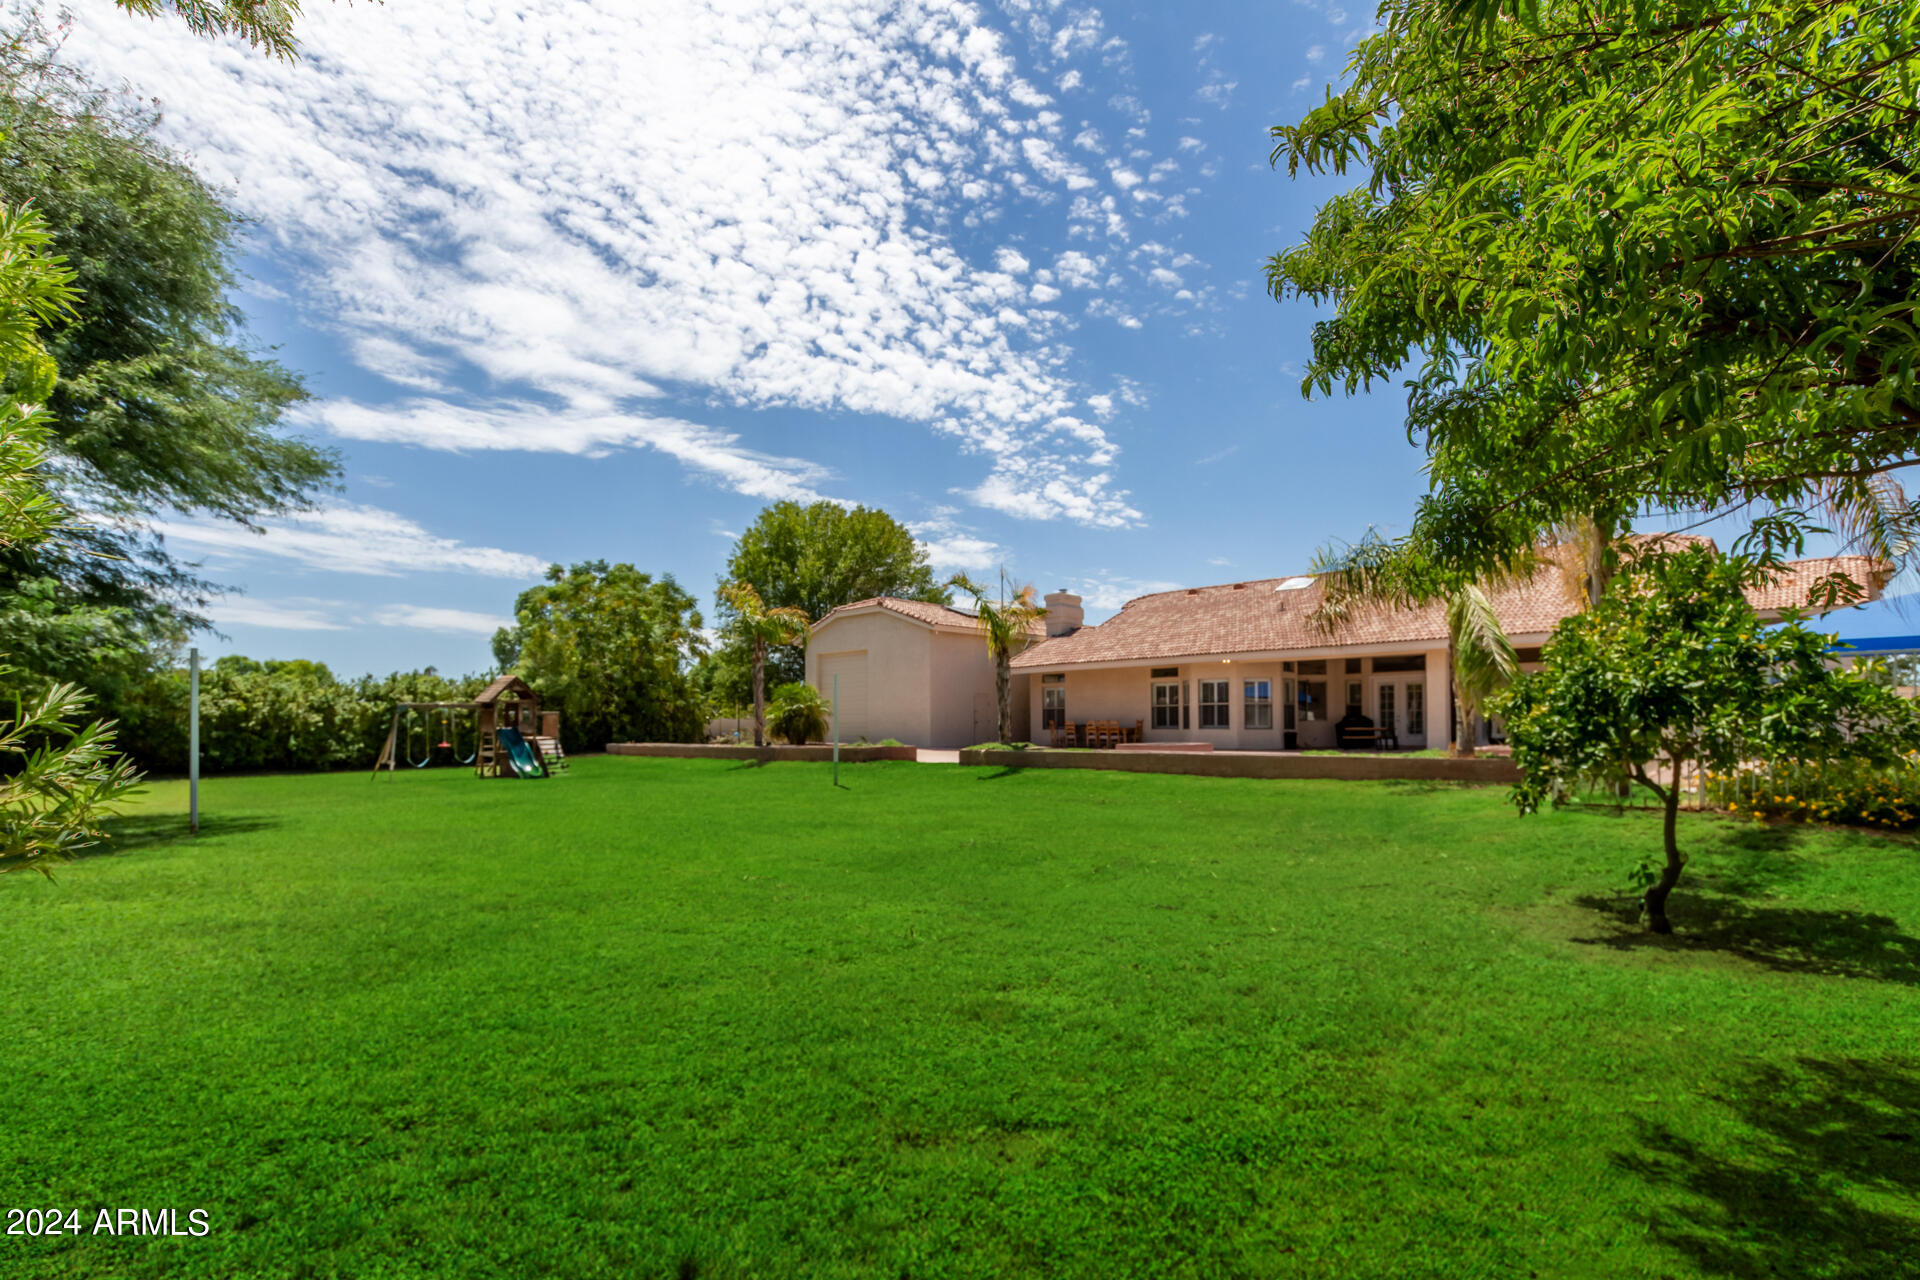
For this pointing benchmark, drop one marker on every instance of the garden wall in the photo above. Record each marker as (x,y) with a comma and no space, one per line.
(1250,764)
(817,752)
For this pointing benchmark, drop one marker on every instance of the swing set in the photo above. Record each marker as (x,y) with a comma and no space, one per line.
(507,735)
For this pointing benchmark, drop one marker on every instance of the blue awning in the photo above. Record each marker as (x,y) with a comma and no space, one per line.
(1878,644)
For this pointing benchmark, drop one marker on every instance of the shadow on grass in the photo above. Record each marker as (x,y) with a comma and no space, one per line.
(1827,1187)
(146,831)
(1787,939)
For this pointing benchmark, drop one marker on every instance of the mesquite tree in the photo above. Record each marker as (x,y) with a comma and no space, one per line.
(1629,256)
(1674,671)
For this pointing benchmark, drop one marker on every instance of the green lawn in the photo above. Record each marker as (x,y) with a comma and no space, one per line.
(691,1018)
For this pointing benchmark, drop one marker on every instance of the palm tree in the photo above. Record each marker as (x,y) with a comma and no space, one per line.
(761,626)
(1480,658)
(1006,622)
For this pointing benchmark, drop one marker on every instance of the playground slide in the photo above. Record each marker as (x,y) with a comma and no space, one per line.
(520,755)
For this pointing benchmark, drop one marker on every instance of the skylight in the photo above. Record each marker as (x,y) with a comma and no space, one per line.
(1296,584)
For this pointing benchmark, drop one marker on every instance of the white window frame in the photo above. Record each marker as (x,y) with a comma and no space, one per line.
(1170,706)
(1222,706)
(1256,712)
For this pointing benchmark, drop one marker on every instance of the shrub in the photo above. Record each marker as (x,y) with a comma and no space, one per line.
(1846,791)
(797,714)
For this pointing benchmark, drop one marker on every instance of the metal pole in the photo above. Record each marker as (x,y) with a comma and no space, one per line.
(836,728)
(193,742)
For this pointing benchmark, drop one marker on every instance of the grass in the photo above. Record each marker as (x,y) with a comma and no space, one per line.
(668,1018)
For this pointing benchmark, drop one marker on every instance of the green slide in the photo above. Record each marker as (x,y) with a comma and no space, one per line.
(519,755)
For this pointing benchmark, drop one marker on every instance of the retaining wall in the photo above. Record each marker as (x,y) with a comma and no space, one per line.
(814,752)
(1250,764)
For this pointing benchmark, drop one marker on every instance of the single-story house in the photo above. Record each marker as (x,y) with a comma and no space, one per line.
(913,671)
(1243,665)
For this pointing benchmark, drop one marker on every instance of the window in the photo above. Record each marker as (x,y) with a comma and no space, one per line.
(1313,699)
(1213,704)
(1353,666)
(1257,713)
(1053,702)
(1166,704)
(1165,673)
(1416,708)
(1287,703)
(1353,695)
(1404,662)
(1313,667)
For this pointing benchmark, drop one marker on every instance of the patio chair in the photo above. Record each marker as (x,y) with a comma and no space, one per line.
(1062,735)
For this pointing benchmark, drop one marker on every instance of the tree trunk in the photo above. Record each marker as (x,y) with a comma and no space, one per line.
(1670,875)
(1003,685)
(759,692)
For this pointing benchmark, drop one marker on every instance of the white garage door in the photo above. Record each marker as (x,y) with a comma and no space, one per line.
(851,668)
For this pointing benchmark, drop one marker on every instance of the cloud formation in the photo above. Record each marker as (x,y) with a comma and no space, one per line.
(592,211)
(350,538)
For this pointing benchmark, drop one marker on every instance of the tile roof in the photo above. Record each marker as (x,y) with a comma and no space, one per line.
(934,615)
(1257,617)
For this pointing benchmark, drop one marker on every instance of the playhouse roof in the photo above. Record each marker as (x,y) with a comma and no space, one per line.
(504,686)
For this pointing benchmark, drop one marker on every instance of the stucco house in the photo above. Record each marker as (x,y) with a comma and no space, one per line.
(1240,665)
(1243,666)
(910,670)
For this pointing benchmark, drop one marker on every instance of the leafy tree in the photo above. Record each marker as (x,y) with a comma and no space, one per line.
(1673,671)
(819,556)
(162,404)
(610,648)
(798,714)
(1007,623)
(264,24)
(755,626)
(1634,255)
(60,776)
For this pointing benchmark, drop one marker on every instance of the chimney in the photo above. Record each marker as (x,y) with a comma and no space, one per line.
(1064,614)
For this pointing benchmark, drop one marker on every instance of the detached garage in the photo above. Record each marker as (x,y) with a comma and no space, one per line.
(910,670)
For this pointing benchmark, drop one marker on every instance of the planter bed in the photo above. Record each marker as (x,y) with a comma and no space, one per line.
(814,751)
(1257,764)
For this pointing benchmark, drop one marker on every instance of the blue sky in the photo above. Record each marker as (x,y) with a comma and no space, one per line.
(587,279)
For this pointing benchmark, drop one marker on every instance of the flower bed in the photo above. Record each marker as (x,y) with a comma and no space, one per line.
(1843,791)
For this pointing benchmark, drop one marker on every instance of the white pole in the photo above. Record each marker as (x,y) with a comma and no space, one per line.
(193,742)
(836,728)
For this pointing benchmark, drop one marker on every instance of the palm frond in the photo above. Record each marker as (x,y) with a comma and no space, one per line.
(1483,658)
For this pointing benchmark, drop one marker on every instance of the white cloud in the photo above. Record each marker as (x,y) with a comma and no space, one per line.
(739,203)
(1011,261)
(1077,270)
(286,615)
(352,539)
(1204,40)
(1316,52)
(1068,82)
(1217,91)
(1192,144)
(438,424)
(450,621)
(1043,293)
(1219,562)
(1101,405)
(952,547)
(1300,84)
(1112,592)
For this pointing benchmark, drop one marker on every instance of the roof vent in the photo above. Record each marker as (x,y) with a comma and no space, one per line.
(1193,591)
(1239,586)
(1296,584)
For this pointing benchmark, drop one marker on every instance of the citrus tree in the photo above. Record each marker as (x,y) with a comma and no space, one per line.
(1674,671)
